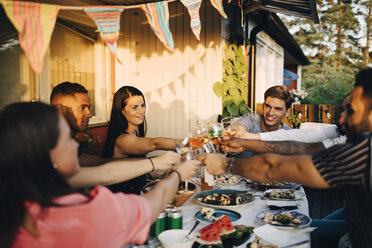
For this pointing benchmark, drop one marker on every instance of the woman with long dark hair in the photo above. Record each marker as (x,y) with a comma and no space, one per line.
(126,134)
(40,209)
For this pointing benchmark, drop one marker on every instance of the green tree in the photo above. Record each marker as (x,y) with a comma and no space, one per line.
(334,48)
(326,83)
(367,16)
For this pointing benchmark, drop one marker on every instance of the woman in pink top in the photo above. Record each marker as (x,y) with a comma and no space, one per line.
(39,208)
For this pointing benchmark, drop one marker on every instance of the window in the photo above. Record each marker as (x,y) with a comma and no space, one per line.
(71,57)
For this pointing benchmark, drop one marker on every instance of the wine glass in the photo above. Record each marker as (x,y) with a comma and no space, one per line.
(230,126)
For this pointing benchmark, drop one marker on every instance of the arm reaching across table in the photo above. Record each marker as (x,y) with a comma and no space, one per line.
(269,168)
(237,145)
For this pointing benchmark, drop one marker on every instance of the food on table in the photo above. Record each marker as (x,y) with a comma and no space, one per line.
(222,233)
(229,199)
(280,194)
(211,234)
(265,186)
(228,179)
(256,244)
(284,218)
(241,234)
(208,213)
(273,184)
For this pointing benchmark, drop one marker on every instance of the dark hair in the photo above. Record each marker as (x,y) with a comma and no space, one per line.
(67,88)
(280,92)
(364,79)
(28,132)
(118,123)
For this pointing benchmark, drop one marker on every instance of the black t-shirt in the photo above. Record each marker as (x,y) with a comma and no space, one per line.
(133,186)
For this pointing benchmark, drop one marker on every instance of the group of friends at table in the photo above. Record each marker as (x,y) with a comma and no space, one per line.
(42,167)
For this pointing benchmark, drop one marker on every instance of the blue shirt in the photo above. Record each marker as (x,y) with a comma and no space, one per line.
(253,123)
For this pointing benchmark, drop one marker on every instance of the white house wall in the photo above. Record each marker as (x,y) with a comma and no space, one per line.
(177,86)
(269,65)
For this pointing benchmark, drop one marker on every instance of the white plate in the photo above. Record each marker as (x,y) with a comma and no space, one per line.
(305,220)
(220,191)
(298,195)
(227,176)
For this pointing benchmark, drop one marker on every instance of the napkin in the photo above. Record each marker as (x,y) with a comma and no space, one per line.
(281,203)
(281,237)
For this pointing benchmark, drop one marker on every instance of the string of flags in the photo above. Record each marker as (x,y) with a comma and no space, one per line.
(35,23)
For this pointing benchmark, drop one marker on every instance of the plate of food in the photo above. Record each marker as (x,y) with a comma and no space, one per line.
(224,198)
(283,219)
(207,214)
(228,179)
(265,186)
(283,194)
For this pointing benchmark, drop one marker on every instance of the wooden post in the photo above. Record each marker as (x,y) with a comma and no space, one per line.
(328,112)
(313,113)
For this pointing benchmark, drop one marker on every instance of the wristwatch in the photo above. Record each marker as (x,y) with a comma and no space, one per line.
(229,165)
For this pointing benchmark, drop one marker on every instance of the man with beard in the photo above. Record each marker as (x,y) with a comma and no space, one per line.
(347,165)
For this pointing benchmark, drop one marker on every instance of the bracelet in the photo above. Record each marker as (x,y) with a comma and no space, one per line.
(153,166)
(179,175)
(229,165)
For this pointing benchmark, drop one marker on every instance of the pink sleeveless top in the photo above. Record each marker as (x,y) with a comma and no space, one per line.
(106,220)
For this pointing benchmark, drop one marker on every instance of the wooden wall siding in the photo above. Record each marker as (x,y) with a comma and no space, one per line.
(177,86)
(269,65)
(72,59)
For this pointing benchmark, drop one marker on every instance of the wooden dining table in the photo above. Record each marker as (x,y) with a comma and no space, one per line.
(248,212)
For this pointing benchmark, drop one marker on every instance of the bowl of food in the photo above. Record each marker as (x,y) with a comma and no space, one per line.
(182,195)
(176,238)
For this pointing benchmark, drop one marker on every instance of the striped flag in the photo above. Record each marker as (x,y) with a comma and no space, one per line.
(107,20)
(158,17)
(217,4)
(35,24)
(193,7)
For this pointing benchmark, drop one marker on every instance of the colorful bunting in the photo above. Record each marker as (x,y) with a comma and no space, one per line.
(158,17)
(107,20)
(193,7)
(34,23)
(218,5)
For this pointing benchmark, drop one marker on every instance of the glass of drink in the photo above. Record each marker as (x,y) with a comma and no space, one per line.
(197,138)
(230,126)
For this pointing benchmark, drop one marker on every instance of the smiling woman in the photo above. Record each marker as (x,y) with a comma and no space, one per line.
(126,134)
(40,209)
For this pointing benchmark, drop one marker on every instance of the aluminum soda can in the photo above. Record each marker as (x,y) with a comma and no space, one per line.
(159,225)
(215,130)
(174,219)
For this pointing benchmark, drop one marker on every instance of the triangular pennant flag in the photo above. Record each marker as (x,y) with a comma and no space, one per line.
(34,23)
(193,7)
(107,20)
(218,6)
(158,17)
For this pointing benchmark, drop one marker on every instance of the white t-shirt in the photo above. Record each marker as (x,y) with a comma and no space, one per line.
(302,135)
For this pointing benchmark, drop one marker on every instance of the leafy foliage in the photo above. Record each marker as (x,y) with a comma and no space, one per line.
(233,88)
(327,84)
(337,48)
(294,121)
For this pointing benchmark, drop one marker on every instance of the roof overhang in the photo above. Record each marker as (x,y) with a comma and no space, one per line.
(280,34)
(300,8)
